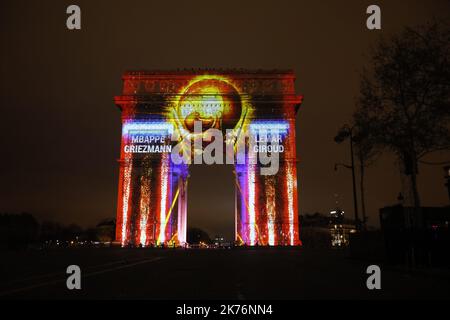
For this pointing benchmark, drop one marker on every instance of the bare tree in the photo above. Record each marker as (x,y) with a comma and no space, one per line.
(405,96)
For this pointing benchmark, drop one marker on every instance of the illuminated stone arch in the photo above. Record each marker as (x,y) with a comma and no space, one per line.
(158,106)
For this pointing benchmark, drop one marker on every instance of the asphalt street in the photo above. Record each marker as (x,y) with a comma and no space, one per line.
(238,274)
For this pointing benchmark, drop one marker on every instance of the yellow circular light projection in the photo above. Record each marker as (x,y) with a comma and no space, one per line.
(213,102)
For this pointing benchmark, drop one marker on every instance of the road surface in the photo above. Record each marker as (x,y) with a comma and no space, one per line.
(239,274)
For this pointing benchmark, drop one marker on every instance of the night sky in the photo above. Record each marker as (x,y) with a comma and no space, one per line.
(60,136)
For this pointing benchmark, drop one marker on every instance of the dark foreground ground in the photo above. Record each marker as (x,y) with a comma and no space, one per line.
(114,273)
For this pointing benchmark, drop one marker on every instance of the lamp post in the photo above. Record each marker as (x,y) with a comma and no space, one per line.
(347,132)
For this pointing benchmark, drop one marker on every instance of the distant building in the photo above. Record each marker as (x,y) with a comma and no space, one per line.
(424,234)
(340,229)
(221,242)
(218,240)
(315,231)
(447,179)
(105,230)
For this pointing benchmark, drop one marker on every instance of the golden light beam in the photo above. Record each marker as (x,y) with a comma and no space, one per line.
(171,208)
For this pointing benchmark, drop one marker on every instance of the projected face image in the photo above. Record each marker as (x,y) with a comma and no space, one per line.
(213,102)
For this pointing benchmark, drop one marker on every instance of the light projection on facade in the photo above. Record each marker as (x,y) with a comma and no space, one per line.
(169,116)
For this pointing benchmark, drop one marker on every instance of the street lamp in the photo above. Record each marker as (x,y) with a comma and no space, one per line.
(344,133)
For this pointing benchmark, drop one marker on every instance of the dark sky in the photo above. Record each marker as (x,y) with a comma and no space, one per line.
(61,131)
